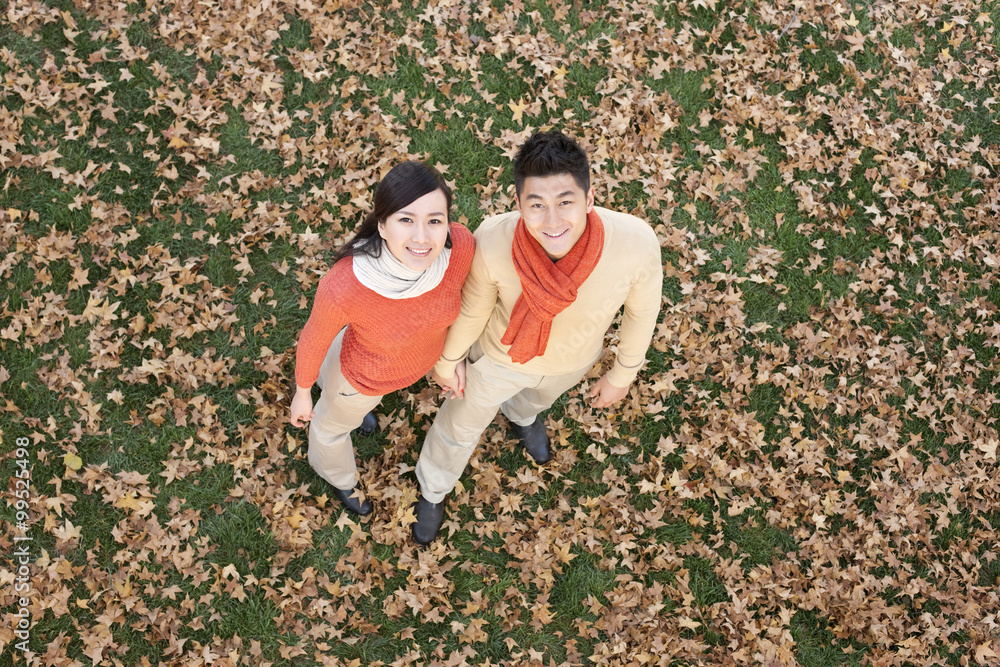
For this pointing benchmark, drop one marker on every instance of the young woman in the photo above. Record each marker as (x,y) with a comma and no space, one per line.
(379,319)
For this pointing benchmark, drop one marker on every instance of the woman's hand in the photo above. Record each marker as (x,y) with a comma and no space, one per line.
(454,384)
(302,407)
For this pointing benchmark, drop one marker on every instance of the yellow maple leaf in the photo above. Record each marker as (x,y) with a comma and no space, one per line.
(562,552)
(124,588)
(269,83)
(686,622)
(989,449)
(127,501)
(518,109)
(984,653)
(67,532)
(72,461)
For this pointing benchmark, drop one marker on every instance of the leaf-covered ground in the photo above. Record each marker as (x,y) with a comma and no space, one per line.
(806,472)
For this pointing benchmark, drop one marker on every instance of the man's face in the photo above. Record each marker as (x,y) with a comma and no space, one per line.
(555,211)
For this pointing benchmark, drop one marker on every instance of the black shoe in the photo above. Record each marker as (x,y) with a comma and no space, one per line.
(430,516)
(354,500)
(368,424)
(534,439)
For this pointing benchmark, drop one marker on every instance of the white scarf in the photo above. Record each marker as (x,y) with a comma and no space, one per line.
(389,277)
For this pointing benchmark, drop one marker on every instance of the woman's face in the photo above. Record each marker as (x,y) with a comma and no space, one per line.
(416,234)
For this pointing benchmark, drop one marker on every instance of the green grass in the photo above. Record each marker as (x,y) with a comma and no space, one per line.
(907,282)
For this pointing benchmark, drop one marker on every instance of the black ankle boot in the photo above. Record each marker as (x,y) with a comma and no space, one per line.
(534,439)
(430,516)
(354,500)
(368,425)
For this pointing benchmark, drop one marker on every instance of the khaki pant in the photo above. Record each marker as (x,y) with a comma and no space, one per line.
(339,410)
(459,424)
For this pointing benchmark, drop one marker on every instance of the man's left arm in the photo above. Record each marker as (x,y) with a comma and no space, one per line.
(642,310)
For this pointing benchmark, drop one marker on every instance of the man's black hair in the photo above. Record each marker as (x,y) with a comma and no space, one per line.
(548,154)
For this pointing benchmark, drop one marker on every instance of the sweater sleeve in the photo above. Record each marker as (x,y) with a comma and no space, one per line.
(642,309)
(463,248)
(479,297)
(325,322)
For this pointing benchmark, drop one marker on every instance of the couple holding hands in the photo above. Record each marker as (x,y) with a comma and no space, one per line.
(509,318)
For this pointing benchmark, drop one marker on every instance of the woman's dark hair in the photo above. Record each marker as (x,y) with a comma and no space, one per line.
(548,154)
(404,184)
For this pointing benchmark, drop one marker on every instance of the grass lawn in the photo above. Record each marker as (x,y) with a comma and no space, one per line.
(805,473)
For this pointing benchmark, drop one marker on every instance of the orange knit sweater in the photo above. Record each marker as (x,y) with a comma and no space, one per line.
(389,343)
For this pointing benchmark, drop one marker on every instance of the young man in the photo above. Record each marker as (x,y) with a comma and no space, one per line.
(546,283)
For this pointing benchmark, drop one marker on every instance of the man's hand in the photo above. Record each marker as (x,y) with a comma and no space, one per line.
(455,385)
(603,393)
(302,407)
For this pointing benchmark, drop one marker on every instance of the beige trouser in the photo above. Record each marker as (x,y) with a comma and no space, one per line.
(459,424)
(339,410)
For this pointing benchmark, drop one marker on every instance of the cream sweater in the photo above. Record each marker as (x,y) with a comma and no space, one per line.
(629,273)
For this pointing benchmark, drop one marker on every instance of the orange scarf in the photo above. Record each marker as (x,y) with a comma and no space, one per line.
(547,287)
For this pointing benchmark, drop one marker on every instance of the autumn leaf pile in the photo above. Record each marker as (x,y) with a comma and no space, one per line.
(805,473)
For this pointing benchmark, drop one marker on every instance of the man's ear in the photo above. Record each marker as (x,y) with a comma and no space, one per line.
(517,203)
(590,200)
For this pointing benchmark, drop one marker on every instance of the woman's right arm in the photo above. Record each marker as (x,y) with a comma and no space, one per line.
(325,321)
(454,386)
(302,407)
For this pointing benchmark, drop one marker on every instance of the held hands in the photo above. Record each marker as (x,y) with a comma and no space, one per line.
(302,407)
(453,387)
(603,393)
